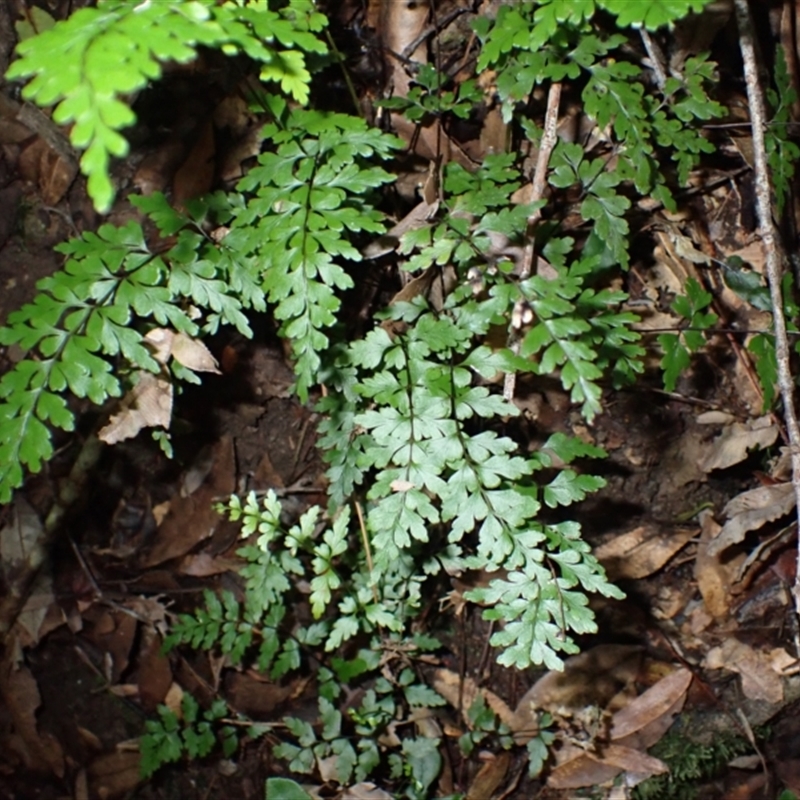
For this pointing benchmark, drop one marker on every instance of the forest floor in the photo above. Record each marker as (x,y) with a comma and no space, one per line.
(143,538)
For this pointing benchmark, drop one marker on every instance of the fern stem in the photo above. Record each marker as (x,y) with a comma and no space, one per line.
(549,138)
(351,89)
(367,548)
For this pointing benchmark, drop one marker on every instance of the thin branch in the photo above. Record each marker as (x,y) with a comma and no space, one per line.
(774,265)
(656,58)
(337,54)
(436,27)
(549,138)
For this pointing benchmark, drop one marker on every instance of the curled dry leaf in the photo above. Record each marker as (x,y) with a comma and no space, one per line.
(400,24)
(489,778)
(714,578)
(151,610)
(649,716)
(202,565)
(193,354)
(750,511)
(154,675)
(41,613)
(160,341)
(736,439)
(590,770)
(147,405)
(192,519)
(189,352)
(23,549)
(686,249)
(418,217)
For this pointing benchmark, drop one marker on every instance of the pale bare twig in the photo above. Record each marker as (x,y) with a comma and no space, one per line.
(549,138)
(656,58)
(774,265)
(367,549)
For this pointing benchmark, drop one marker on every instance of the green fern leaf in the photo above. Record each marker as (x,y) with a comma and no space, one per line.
(308,197)
(86,63)
(651,14)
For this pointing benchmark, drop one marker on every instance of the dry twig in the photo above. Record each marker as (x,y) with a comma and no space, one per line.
(656,58)
(774,260)
(549,138)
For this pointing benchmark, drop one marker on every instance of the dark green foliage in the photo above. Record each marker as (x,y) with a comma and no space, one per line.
(678,347)
(300,206)
(782,151)
(194,734)
(412,422)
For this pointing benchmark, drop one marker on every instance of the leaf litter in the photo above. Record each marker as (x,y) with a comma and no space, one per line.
(607,710)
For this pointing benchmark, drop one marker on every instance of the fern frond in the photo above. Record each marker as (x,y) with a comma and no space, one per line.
(87,64)
(306,200)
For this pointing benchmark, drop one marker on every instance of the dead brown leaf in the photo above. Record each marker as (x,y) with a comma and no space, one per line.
(735,440)
(759,680)
(364,791)
(591,678)
(41,613)
(256,698)
(40,752)
(158,167)
(490,776)
(81,790)
(449,685)
(150,609)
(114,774)
(189,352)
(589,770)
(750,511)
(400,24)
(52,171)
(647,712)
(266,476)
(193,354)
(174,699)
(579,769)
(154,675)
(418,217)
(192,519)
(204,564)
(21,537)
(642,551)
(147,405)
(195,176)
(714,578)
(634,728)
(114,633)
(23,548)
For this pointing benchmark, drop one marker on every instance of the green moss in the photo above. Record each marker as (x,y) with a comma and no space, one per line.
(690,764)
